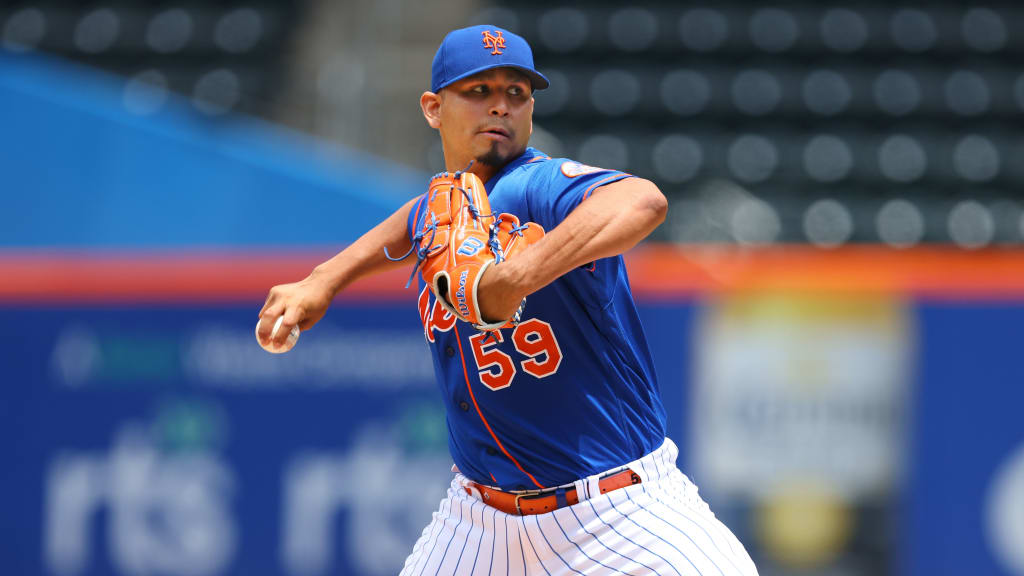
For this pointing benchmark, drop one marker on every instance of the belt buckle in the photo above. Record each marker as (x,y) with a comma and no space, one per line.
(519,510)
(527,494)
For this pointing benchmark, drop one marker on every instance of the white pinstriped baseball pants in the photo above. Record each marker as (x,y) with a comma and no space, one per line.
(658,527)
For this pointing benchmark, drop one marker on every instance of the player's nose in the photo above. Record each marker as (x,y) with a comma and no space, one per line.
(499,107)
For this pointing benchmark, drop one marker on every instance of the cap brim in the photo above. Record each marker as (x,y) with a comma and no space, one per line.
(537,80)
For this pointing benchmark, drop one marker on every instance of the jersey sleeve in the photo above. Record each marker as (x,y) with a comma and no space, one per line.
(416,214)
(561,185)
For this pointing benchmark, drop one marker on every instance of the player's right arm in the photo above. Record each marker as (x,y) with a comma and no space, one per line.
(305,302)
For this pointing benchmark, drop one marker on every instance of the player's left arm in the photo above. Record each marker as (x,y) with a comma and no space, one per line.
(612,220)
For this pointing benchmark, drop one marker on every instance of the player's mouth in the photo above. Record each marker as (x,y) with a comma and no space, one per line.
(496,132)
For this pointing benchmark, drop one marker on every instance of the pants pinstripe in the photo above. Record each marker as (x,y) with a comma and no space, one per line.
(658,527)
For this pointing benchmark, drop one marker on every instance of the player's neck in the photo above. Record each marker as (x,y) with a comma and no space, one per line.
(483,171)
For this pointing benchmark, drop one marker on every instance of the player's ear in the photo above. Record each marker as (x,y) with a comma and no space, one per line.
(533,102)
(430,103)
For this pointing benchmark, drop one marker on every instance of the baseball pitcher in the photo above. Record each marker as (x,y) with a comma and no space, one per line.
(555,421)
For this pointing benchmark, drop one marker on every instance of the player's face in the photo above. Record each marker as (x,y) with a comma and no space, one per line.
(487,117)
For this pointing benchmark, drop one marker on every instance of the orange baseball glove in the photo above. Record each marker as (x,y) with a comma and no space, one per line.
(459,238)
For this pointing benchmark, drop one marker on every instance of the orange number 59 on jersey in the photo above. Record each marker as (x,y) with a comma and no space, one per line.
(532,338)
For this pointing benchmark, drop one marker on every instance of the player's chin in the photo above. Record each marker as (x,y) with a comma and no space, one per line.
(498,154)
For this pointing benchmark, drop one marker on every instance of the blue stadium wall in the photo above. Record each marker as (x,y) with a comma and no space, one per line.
(80,170)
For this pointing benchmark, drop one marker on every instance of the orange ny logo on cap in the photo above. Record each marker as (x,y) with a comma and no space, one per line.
(495,43)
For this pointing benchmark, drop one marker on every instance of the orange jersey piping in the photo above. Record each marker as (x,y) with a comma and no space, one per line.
(472,396)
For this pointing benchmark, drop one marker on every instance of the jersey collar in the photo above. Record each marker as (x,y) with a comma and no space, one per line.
(527,156)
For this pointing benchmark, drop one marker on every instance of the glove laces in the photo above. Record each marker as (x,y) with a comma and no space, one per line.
(417,241)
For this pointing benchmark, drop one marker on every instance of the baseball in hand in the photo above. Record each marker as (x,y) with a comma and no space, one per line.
(293,337)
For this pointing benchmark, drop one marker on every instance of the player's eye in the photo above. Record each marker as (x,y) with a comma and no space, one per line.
(479,89)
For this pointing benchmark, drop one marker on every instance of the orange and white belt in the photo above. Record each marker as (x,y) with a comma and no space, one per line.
(542,501)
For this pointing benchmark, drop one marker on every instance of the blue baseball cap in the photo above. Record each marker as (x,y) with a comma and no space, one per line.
(466,51)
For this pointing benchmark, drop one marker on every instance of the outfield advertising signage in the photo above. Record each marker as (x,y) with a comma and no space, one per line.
(146,433)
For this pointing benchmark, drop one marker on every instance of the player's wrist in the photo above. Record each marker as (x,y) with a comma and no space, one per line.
(512,278)
(327,279)
(499,293)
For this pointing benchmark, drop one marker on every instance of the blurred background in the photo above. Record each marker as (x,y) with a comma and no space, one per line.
(833,304)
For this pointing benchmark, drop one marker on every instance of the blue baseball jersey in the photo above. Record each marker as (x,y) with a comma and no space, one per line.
(569,392)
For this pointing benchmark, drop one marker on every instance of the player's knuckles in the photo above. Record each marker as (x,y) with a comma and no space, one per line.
(270,301)
(271,311)
(294,315)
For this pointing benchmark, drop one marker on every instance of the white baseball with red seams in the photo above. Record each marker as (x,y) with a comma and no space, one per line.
(293,337)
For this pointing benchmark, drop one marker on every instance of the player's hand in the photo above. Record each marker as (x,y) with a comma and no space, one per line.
(500,293)
(301,303)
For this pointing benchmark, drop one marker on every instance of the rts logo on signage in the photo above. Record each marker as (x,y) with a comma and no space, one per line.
(164,513)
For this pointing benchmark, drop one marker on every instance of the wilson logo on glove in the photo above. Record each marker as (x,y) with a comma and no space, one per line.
(460,294)
(470,246)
